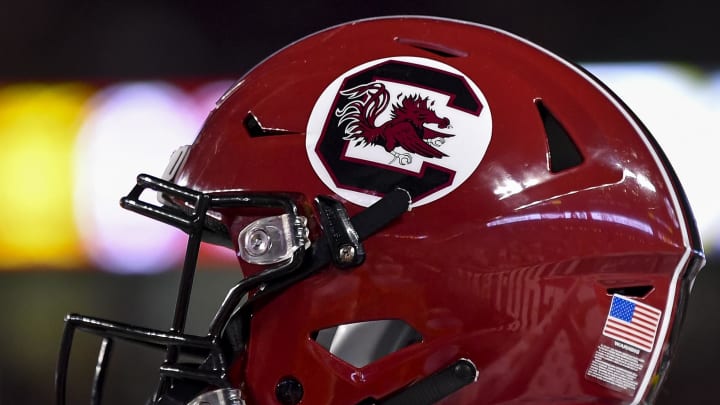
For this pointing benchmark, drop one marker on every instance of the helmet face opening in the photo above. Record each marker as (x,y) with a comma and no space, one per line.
(424,211)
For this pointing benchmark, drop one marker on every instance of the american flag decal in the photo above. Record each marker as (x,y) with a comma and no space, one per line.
(632,322)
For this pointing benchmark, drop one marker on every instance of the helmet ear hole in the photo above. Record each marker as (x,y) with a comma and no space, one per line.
(563,153)
(362,343)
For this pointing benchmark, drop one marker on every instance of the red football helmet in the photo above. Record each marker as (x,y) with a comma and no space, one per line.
(424,211)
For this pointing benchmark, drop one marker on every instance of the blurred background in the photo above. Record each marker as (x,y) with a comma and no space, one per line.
(93,93)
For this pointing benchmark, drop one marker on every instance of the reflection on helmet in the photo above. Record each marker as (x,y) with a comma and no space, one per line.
(424,211)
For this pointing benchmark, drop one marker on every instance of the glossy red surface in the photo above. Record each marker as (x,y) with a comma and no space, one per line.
(510,270)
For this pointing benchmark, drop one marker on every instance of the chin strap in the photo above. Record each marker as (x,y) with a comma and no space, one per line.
(434,387)
(342,234)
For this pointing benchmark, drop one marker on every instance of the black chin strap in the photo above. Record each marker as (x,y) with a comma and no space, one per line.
(341,232)
(364,224)
(434,387)
(380,214)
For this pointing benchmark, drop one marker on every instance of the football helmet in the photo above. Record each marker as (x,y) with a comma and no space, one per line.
(424,211)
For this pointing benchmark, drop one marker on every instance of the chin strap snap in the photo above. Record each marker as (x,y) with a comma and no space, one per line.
(346,250)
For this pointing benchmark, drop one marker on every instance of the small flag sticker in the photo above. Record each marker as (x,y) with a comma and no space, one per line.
(632,322)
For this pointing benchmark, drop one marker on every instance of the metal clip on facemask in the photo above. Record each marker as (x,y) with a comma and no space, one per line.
(274,239)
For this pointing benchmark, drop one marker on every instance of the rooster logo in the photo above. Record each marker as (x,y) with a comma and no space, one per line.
(405,128)
(400,122)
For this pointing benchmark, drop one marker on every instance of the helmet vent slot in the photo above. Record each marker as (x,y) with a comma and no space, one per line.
(362,343)
(437,49)
(636,291)
(563,153)
(255,129)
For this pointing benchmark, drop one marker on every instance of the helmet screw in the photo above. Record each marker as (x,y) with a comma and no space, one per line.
(347,253)
(258,242)
(464,370)
(289,391)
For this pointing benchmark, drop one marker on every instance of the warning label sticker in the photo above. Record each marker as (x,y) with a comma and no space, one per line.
(616,367)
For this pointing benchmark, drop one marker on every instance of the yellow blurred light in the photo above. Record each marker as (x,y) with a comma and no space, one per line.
(38,127)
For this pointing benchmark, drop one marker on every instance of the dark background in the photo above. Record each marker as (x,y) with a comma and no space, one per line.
(136,38)
(94,40)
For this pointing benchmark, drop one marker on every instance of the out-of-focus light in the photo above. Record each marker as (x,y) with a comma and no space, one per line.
(132,129)
(38,125)
(681,108)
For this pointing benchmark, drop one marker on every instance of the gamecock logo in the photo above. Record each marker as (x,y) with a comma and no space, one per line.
(406,127)
(406,122)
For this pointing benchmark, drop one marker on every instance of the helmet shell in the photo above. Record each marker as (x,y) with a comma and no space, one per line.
(515,268)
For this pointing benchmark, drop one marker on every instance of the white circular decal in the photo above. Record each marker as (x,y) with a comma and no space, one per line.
(403,122)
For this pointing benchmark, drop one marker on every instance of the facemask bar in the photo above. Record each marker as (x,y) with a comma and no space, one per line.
(303,263)
(198,225)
